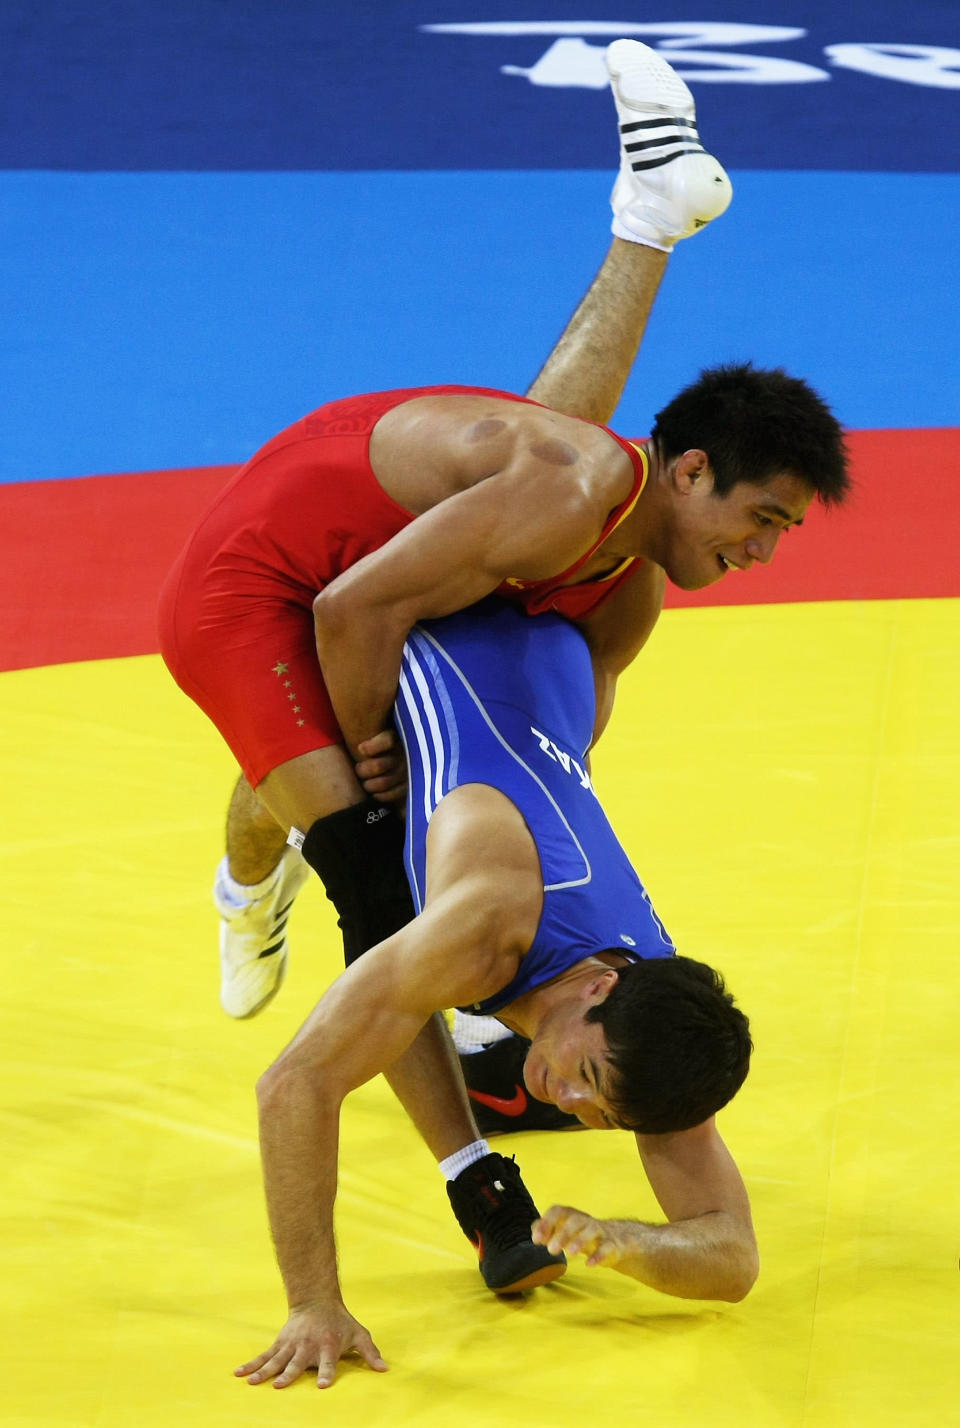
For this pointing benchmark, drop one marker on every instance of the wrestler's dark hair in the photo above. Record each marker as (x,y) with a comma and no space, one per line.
(679,1048)
(755,424)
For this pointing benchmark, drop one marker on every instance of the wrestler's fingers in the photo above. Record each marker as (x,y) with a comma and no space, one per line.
(566,1230)
(368,1351)
(363,1345)
(327,1369)
(383,743)
(556,1220)
(391,794)
(253,1364)
(297,1365)
(271,1364)
(607,1252)
(388,771)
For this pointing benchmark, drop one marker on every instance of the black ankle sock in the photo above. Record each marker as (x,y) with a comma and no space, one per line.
(358,855)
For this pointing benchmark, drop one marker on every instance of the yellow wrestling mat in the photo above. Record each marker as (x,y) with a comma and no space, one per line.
(786,779)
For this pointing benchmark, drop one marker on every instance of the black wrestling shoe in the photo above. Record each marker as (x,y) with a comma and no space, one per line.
(495,1211)
(498,1097)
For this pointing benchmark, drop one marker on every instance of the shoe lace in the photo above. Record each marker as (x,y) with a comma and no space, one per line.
(507,1210)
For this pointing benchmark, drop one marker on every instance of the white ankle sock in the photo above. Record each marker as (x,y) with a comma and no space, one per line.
(473,1033)
(239,894)
(460,1159)
(620,230)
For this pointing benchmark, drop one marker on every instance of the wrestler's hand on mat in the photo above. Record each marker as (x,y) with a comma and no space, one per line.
(564,1229)
(312,1338)
(382,767)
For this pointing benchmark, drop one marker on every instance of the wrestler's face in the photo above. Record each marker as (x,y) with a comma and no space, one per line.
(710,536)
(567,1066)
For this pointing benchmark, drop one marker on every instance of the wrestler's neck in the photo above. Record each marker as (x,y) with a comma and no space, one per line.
(527,1014)
(638,533)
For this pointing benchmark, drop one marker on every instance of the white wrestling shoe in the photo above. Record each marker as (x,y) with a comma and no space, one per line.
(668,186)
(253,947)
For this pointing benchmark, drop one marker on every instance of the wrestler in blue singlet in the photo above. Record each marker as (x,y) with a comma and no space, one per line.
(491,696)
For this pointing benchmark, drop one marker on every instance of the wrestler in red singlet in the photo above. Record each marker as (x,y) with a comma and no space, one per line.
(236,611)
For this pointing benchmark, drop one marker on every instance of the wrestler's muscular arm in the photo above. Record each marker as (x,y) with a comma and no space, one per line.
(532,511)
(367,1018)
(618,631)
(708,1249)
(485,900)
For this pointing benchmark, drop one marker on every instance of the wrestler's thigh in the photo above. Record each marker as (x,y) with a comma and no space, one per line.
(248,657)
(310,786)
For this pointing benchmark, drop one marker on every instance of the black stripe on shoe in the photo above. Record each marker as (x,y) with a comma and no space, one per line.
(269,951)
(666,159)
(661,143)
(658,124)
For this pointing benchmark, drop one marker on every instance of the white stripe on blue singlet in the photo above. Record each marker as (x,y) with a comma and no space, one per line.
(413,713)
(426,704)
(417,636)
(444,709)
(433,723)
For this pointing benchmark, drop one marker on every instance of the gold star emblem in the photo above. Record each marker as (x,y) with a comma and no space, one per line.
(296,709)
(287,683)
(280,668)
(300,723)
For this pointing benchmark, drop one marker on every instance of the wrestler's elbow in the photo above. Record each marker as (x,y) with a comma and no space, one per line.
(337,623)
(742,1280)
(348,614)
(285,1077)
(302,1075)
(330,611)
(743,1271)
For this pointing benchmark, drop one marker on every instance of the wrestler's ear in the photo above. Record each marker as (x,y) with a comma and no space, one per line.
(692,469)
(598,988)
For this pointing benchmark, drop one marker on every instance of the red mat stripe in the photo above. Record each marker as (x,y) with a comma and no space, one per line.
(83,559)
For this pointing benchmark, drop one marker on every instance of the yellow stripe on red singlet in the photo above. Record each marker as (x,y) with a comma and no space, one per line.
(645,463)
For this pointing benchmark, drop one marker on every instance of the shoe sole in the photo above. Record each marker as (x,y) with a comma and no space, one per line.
(546,1275)
(254,1011)
(648,67)
(704,188)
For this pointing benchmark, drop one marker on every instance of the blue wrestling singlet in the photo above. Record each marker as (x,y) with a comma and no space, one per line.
(491,696)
